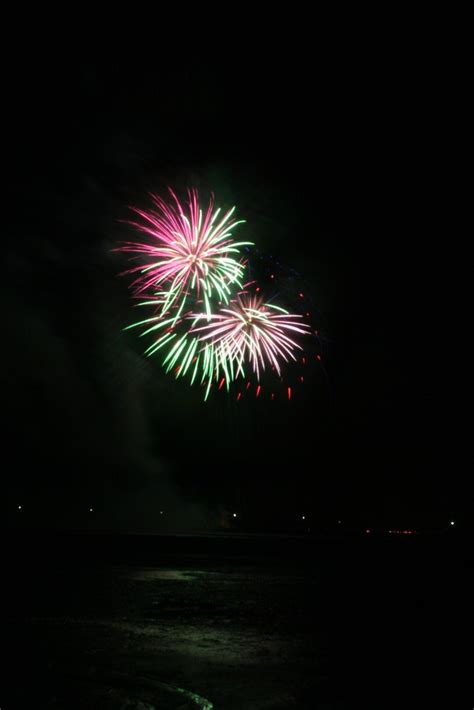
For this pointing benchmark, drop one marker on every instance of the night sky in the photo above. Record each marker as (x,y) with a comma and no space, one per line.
(333,164)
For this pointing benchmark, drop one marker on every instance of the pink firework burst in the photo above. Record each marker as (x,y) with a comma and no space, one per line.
(189,252)
(249,330)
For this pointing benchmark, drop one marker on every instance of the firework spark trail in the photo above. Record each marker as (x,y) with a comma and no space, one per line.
(188,254)
(250,329)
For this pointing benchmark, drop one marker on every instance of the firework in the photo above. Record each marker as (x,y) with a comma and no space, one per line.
(190,254)
(205,324)
(250,331)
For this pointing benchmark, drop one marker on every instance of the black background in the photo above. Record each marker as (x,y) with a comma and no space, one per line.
(337,160)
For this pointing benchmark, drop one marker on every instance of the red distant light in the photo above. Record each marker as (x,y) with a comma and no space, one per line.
(258,390)
(367,531)
(221,383)
(239,396)
(248,385)
(302,378)
(289,392)
(318,357)
(301,295)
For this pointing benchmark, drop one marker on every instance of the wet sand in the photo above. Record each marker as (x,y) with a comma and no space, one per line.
(238,622)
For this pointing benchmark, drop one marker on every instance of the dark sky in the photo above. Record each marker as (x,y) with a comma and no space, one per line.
(333,163)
